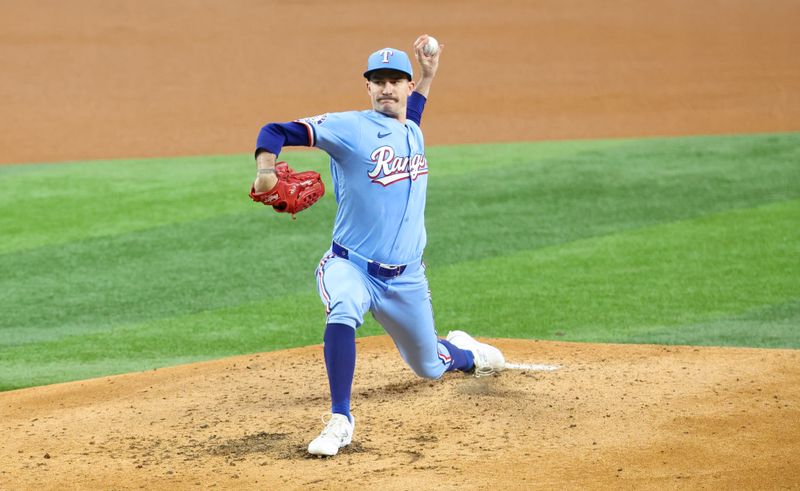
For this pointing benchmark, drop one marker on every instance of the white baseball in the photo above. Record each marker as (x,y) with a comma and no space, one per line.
(432,47)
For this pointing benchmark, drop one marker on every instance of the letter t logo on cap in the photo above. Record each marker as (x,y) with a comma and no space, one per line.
(386,54)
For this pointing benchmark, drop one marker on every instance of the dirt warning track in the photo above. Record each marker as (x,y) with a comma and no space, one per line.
(96,79)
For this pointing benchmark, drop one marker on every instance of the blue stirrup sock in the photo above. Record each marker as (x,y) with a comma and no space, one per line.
(459,359)
(340,361)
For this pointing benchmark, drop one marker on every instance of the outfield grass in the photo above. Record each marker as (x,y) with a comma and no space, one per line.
(115,266)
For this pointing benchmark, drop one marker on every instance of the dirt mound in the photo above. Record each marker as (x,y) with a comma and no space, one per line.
(611,416)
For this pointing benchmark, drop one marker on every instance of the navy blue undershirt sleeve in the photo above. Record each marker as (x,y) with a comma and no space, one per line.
(274,136)
(415,106)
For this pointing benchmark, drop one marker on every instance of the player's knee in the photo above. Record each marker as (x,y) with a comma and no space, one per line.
(345,318)
(429,371)
(347,311)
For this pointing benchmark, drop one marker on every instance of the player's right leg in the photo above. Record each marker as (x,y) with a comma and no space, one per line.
(342,290)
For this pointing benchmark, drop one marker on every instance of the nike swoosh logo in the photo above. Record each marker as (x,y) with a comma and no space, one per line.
(383,135)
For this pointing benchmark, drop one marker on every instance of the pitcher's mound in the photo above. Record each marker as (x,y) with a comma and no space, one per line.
(611,416)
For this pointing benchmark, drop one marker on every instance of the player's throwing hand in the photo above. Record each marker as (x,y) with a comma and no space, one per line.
(428,63)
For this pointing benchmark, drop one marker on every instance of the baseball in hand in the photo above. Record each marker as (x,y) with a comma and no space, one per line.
(432,47)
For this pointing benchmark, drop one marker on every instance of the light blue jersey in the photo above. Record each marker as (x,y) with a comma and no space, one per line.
(380,176)
(374,263)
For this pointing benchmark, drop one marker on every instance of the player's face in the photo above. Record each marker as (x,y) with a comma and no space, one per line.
(389,91)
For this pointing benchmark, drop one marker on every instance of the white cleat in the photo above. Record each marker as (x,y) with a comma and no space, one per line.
(338,433)
(488,359)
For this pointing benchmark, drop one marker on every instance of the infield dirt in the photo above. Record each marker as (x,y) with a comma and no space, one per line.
(613,416)
(97,79)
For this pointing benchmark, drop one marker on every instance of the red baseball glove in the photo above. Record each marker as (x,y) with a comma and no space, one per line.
(294,191)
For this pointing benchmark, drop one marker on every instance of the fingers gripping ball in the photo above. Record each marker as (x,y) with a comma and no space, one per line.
(431,47)
(294,191)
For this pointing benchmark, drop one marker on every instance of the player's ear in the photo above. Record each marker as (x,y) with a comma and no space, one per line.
(411,86)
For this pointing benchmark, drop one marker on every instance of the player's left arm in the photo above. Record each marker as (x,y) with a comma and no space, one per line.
(429,65)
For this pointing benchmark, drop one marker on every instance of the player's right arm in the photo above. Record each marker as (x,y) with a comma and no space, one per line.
(271,139)
(336,133)
(266,177)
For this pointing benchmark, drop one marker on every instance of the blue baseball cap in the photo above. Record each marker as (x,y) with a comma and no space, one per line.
(389,59)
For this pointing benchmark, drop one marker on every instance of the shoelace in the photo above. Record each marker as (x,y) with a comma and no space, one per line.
(484,370)
(334,428)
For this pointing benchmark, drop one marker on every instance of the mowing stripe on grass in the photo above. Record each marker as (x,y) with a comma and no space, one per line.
(618,287)
(57,204)
(166,260)
(660,281)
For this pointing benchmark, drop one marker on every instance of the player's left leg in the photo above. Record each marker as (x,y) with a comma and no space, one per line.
(406,313)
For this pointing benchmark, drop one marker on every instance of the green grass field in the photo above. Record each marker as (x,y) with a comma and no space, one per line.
(116,266)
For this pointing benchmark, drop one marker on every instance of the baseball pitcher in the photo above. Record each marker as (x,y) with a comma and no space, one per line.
(380,175)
